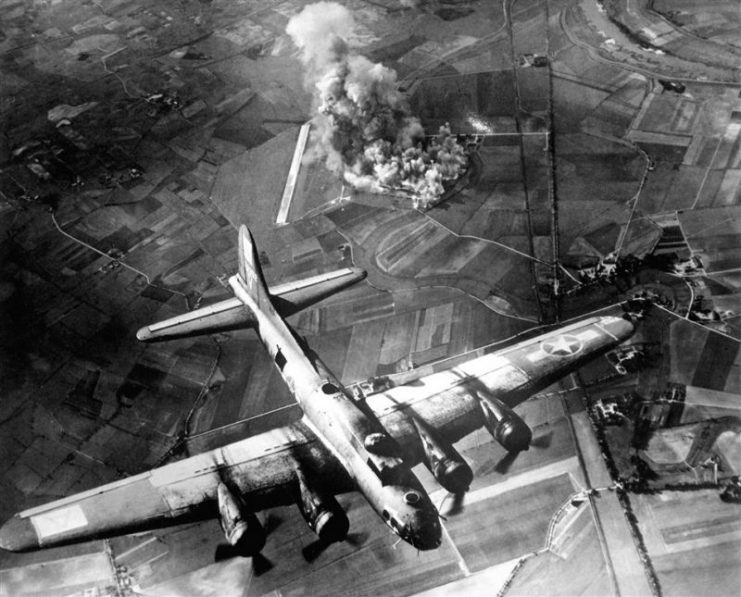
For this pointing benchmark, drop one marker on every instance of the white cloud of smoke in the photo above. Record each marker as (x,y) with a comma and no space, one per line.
(363,128)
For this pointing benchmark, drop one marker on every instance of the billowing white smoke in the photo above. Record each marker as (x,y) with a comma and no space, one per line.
(363,127)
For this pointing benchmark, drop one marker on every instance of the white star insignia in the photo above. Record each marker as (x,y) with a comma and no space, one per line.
(562,346)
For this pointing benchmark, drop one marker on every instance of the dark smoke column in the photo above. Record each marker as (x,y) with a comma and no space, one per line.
(362,128)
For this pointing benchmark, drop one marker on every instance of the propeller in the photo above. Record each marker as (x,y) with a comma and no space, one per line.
(272,522)
(540,442)
(260,564)
(456,506)
(316,548)
(543,441)
(503,465)
(506,462)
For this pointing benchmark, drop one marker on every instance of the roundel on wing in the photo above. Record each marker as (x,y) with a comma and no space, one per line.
(564,345)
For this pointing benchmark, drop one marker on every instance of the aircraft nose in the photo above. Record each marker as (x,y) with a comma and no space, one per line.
(18,534)
(427,534)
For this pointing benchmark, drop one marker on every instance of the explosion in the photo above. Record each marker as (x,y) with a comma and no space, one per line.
(363,128)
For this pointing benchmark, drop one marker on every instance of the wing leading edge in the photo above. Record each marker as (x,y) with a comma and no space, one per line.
(262,468)
(450,400)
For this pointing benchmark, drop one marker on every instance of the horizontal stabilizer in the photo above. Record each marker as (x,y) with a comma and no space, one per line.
(219,317)
(231,314)
(292,297)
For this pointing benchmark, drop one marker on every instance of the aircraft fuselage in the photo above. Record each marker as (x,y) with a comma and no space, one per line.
(357,440)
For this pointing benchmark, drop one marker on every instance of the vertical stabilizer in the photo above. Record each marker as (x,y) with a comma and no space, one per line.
(249,267)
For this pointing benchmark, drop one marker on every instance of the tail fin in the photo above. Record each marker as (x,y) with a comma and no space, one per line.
(250,270)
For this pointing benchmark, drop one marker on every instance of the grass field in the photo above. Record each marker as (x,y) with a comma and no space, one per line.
(515,525)
(693,539)
(579,571)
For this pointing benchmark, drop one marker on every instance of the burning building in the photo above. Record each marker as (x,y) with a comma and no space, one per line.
(362,127)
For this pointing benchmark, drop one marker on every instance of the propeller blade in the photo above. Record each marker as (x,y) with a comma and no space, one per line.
(503,466)
(486,468)
(543,441)
(260,564)
(356,539)
(312,551)
(272,522)
(456,507)
(224,551)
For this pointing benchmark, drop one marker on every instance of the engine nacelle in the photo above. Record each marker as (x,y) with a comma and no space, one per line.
(505,425)
(241,527)
(321,511)
(443,460)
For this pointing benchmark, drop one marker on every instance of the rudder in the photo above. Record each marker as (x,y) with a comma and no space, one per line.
(250,270)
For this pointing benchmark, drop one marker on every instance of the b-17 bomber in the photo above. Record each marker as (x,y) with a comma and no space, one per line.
(344,442)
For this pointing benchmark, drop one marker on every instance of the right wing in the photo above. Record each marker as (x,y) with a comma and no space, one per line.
(231,314)
(449,399)
(262,468)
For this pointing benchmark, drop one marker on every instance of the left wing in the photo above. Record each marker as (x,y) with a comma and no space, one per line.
(262,469)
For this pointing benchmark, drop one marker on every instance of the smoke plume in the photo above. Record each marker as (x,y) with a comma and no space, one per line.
(363,129)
